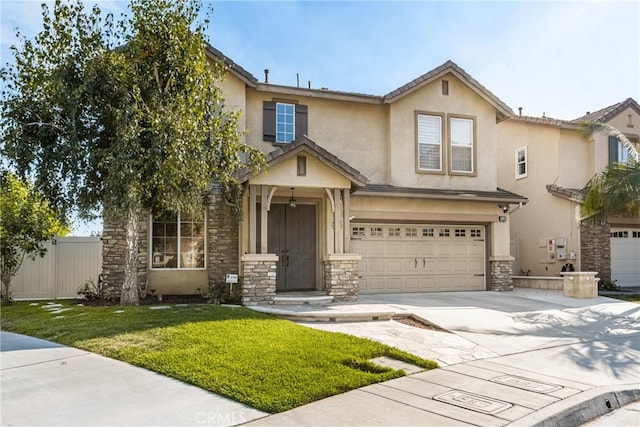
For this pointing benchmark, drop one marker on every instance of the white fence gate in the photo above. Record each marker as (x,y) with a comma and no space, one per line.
(68,263)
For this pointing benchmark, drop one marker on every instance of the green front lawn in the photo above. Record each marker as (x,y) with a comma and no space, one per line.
(625,297)
(268,363)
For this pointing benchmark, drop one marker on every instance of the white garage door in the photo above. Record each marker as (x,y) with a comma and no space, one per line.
(625,256)
(419,258)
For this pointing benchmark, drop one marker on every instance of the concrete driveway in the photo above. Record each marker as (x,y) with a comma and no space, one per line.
(547,360)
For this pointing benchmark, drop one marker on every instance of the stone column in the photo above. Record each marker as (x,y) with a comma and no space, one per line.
(580,284)
(341,276)
(595,249)
(501,273)
(258,279)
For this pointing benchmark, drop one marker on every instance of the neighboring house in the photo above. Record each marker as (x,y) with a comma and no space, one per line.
(361,194)
(544,159)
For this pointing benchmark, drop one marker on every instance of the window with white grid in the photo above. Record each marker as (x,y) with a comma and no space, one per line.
(461,145)
(429,143)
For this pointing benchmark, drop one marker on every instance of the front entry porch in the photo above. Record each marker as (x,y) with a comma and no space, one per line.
(296,230)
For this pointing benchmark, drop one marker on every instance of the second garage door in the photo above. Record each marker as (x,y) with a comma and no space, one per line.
(420,258)
(625,256)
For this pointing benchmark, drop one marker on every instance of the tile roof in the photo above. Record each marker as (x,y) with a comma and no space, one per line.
(499,195)
(548,121)
(607,113)
(243,74)
(450,67)
(572,194)
(303,143)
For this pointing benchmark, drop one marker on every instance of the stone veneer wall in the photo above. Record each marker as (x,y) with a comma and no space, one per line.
(341,276)
(501,275)
(595,249)
(222,237)
(113,249)
(259,279)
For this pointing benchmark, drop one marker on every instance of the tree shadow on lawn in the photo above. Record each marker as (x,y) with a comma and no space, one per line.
(69,322)
(594,339)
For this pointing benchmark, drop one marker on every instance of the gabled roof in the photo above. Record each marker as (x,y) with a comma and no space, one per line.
(607,113)
(451,67)
(235,69)
(499,195)
(303,143)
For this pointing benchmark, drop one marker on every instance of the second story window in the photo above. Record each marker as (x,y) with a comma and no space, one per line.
(283,122)
(618,153)
(521,162)
(462,145)
(429,136)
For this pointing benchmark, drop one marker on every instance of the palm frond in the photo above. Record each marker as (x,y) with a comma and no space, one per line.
(588,128)
(614,191)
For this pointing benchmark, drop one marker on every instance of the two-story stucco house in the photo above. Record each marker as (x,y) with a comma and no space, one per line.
(545,160)
(361,194)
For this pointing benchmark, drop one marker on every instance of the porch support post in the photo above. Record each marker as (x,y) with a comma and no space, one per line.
(337,222)
(264,210)
(252,219)
(346,209)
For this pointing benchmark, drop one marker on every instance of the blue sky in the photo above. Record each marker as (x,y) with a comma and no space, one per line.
(559,58)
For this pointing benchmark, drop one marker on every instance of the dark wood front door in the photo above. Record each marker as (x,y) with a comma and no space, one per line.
(292,236)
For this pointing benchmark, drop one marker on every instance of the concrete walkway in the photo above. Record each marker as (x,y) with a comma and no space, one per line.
(43,383)
(521,358)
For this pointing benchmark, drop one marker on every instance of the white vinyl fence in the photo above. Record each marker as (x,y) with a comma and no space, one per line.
(68,263)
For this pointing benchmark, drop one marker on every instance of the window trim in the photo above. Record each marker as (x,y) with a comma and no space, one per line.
(293,124)
(178,237)
(525,162)
(474,150)
(443,150)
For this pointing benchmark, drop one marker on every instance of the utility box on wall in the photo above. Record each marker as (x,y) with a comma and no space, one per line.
(551,251)
(561,248)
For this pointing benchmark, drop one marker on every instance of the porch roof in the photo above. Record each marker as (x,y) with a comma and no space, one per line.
(383,190)
(304,144)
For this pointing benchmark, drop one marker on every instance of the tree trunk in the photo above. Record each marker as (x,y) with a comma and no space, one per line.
(6,287)
(130,293)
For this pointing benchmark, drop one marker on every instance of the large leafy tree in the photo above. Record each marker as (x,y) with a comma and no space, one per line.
(615,190)
(122,117)
(27,221)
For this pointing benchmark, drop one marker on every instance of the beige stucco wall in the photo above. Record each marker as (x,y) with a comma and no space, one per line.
(318,175)
(461,101)
(555,156)
(234,93)
(178,282)
(355,132)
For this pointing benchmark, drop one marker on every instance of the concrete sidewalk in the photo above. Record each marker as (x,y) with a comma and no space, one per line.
(43,383)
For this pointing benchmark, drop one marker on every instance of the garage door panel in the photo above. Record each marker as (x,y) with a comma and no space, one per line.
(625,256)
(401,258)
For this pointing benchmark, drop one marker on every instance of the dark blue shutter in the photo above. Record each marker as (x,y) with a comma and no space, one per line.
(613,149)
(269,121)
(301,120)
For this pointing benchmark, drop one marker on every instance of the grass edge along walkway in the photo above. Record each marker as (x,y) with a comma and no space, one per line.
(270,364)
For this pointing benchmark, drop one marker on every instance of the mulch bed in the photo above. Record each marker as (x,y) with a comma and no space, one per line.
(416,323)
